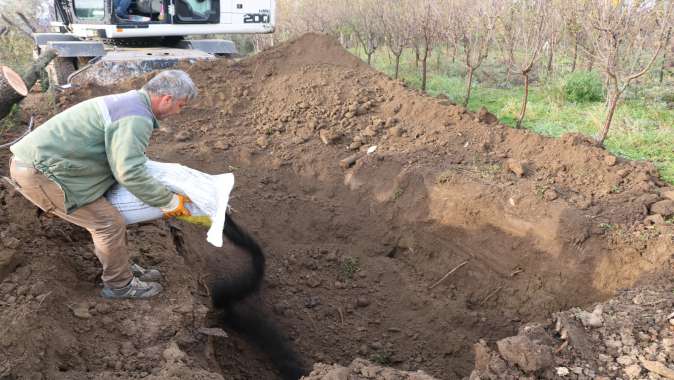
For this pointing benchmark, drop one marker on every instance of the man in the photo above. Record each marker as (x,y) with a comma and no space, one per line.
(67,164)
(122,9)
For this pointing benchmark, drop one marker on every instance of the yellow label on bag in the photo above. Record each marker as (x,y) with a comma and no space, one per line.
(202,220)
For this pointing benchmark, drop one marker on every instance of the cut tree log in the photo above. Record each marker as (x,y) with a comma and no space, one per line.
(12,90)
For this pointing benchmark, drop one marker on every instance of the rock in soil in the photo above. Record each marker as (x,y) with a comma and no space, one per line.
(173,353)
(183,136)
(518,167)
(12,242)
(654,220)
(81,311)
(362,369)
(658,368)
(664,208)
(526,354)
(610,160)
(668,193)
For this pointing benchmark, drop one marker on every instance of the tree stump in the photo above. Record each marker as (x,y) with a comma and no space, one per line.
(12,90)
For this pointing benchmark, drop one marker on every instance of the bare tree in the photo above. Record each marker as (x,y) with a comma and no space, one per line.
(425,18)
(471,25)
(555,21)
(668,46)
(626,36)
(296,17)
(522,31)
(366,22)
(505,35)
(571,14)
(396,30)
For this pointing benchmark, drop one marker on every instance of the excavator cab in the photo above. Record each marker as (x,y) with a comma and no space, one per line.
(145,35)
(150,18)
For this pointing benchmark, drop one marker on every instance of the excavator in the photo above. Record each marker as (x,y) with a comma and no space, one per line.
(103,41)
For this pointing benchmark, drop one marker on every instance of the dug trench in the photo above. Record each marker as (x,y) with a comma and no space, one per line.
(454,229)
(357,273)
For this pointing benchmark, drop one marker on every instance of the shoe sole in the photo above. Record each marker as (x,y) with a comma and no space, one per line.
(148,294)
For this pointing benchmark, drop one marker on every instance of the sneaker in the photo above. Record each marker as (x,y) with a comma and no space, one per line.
(135,289)
(145,274)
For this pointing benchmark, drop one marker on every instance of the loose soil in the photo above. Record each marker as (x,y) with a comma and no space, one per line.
(526,226)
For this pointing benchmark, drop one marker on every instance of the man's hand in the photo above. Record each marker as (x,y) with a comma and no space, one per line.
(176,207)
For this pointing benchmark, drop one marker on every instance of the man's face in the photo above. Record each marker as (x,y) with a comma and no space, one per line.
(168,106)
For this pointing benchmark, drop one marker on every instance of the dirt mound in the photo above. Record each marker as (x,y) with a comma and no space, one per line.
(309,50)
(453,229)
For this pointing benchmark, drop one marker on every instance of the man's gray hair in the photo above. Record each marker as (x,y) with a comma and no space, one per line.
(175,83)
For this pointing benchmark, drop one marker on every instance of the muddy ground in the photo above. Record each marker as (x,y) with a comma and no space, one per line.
(456,229)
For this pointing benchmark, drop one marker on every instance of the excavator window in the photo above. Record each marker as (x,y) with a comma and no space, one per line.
(140,10)
(89,9)
(196,10)
(148,7)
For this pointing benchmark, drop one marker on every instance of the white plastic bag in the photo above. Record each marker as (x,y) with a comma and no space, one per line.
(209,195)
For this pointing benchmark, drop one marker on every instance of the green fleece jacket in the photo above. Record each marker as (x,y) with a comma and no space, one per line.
(90,146)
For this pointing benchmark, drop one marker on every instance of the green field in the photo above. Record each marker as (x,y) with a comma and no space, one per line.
(642,129)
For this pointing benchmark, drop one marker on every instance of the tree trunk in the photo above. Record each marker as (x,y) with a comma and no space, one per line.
(369,57)
(397,65)
(511,60)
(609,117)
(416,56)
(12,90)
(469,83)
(661,75)
(575,53)
(424,68)
(454,53)
(524,101)
(590,62)
(550,58)
(33,73)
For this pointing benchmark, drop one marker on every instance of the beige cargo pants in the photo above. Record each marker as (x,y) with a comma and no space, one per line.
(100,218)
